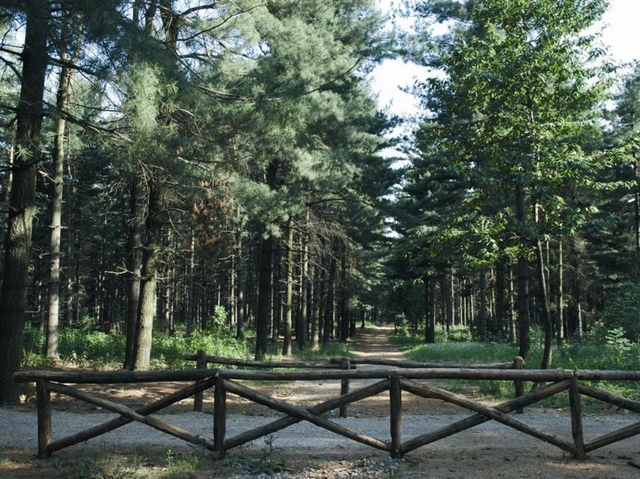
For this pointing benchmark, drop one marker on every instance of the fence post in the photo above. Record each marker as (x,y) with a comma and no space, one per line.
(201,363)
(395,416)
(344,385)
(43,398)
(518,363)
(575,402)
(219,415)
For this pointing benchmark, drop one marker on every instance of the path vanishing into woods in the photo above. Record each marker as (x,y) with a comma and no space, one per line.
(487,451)
(373,342)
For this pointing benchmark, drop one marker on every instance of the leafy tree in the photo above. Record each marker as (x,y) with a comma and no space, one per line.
(28,145)
(513,111)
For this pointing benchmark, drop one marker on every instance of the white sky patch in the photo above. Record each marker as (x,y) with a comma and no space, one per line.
(621,34)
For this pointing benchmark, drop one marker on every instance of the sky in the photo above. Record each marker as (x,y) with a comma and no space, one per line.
(621,34)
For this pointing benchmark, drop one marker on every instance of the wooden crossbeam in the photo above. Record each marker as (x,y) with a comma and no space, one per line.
(131,414)
(304,414)
(121,421)
(486,413)
(614,436)
(320,408)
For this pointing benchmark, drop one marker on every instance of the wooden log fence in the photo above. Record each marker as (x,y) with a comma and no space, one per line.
(203,360)
(395,381)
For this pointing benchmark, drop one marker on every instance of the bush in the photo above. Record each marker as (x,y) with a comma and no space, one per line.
(623,312)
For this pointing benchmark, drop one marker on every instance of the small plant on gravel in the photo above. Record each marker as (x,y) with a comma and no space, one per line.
(268,462)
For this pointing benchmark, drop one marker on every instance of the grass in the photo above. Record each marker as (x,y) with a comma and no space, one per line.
(607,351)
(144,463)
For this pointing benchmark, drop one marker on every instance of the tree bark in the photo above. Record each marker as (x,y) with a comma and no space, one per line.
(545,310)
(63,97)
(149,281)
(305,294)
(13,296)
(430,320)
(264,296)
(343,306)
(524,337)
(288,320)
(560,296)
(329,305)
(134,267)
(482,306)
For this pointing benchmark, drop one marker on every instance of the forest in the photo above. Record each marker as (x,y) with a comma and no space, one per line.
(173,167)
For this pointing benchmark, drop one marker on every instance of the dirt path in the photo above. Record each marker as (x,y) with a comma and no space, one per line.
(487,451)
(374,342)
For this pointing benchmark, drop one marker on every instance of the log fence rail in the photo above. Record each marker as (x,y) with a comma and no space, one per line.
(394,380)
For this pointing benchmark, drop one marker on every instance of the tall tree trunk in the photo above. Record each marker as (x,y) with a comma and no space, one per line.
(64,93)
(288,320)
(264,297)
(560,296)
(241,283)
(330,306)
(13,296)
(430,313)
(344,310)
(4,215)
(524,320)
(501,299)
(134,266)
(305,294)
(544,309)
(482,306)
(316,303)
(149,281)
(276,306)
(190,296)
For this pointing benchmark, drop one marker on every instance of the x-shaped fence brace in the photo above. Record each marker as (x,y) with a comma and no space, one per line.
(394,383)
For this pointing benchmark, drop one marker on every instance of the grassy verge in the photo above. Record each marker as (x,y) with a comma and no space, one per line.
(140,463)
(611,352)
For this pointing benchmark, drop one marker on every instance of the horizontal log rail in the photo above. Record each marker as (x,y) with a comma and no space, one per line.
(202,358)
(224,381)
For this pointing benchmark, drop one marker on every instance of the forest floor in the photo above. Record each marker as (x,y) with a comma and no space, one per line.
(304,451)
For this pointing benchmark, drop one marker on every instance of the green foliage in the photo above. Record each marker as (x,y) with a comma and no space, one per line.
(622,312)
(462,352)
(218,324)
(606,350)
(100,350)
(186,464)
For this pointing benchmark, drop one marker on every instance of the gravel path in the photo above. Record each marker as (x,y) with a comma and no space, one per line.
(19,429)
(489,450)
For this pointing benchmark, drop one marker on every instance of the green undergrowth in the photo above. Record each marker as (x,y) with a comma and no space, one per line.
(606,350)
(85,348)
(138,463)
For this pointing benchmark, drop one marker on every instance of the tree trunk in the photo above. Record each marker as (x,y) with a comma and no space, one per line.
(524,337)
(264,296)
(560,296)
(276,305)
(430,319)
(240,285)
(501,299)
(305,294)
(344,310)
(330,306)
(64,92)
(544,309)
(288,320)
(13,296)
(482,306)
(134,267)
(149,280)
(316,303)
